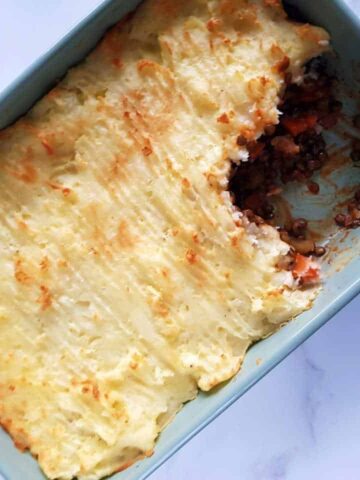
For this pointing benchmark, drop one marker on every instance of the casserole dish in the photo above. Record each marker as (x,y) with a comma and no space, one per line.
(270,351)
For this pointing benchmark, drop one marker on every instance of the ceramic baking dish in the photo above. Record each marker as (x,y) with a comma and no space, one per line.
(341,267)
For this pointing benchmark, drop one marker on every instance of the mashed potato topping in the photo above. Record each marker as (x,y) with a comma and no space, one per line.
(128,280)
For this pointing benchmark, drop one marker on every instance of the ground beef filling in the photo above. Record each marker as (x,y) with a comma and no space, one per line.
(292,151)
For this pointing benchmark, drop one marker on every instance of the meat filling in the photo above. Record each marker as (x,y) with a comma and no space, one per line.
(292,151)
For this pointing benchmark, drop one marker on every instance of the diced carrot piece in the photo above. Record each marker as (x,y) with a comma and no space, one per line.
(304,269)
(300,265)
(295,126)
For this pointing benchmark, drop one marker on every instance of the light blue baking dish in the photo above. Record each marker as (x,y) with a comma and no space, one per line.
(341,268)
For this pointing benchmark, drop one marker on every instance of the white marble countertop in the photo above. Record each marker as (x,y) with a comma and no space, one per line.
(302,421)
